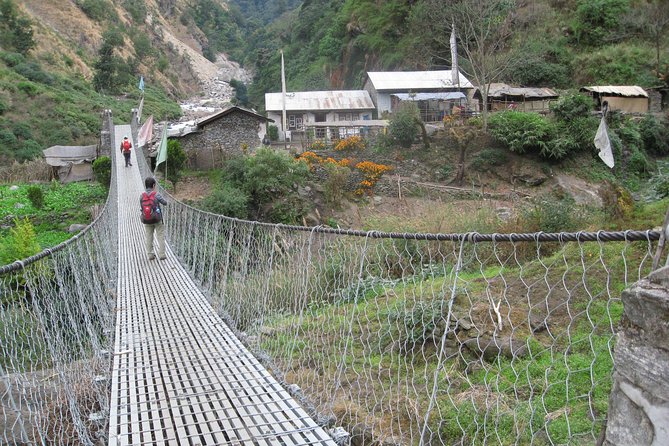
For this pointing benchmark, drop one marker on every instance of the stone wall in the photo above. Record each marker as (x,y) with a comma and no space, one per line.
(221,139)
(639,400)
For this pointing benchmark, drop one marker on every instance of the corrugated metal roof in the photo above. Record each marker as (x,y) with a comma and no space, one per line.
(500,89)
(64,155)
(622,90)
(427,96)
(320,100)
(415,80)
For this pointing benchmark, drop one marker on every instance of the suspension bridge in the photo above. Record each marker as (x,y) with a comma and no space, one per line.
(259,334)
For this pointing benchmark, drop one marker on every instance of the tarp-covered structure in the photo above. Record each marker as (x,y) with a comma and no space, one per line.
(626,98)
(71,163)
(502,96)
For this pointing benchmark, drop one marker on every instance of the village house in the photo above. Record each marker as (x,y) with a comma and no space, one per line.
(319,114)
(627,99)
(505,97)
(435,92)
(215,138)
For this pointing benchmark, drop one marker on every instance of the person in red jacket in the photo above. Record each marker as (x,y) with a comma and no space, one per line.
(126,145)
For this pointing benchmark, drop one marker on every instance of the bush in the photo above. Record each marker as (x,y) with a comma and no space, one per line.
(28,150)
(523,132)
(273,132)
(403,126)
(137,10)
(33,72)
(550,214)
(28,88)
(102,169)
(227,200)
(335,184)
(597,20)
(654,135)
(571,106)
(36,196)
(98,10)
(20,244)
(487,158)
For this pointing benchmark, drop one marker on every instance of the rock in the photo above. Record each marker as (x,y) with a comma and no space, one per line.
(583,193)
(377,199)
(19,205)
(76,228)
(538,323)
(491,348)
(13,188)
(529,176)
(503,213)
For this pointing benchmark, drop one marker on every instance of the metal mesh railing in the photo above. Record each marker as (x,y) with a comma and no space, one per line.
(412,339)
(426,338)
(56,334)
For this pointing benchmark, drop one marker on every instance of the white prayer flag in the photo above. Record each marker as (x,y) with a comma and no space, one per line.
(455,73)
(603,143)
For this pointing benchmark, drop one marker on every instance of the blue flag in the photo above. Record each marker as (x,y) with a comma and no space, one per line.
(141,83)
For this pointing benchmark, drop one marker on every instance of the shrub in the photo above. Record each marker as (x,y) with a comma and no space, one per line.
(273,132)
(20,244)
(550,214)
(33,72)
(571,106)
(403,125)
(102,169)
(176,161)
(654,135)
(335,184)
(351,143)
(227,200)
(28,88)
(596,20)
(522,132)
(36,196)
(98,10)
(12,59)
(137,10)
(28,150)
(487,158)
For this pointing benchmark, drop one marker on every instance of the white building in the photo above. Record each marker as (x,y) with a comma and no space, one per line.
(310,107)
(381,85)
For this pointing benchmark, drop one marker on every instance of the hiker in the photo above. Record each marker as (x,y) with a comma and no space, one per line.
(126,145)
(152,217)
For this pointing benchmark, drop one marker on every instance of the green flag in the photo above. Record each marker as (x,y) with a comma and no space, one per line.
(162,148)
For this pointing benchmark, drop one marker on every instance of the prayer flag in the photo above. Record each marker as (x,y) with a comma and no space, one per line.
(455,73)
(146,132)
(162,148)
(603,143)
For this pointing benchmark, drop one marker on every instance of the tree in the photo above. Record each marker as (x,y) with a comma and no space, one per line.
(15,32)
(483,30)
(176,160)
(107,67)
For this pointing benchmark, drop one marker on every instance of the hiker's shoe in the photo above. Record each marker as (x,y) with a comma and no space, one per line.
(152,257)
(162,257)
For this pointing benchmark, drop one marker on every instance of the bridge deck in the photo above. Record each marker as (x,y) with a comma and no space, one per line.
(180,375)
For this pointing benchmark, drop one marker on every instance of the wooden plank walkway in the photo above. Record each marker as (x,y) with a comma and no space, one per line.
(180,375)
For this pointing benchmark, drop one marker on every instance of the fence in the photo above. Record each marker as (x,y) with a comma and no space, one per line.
(426,339)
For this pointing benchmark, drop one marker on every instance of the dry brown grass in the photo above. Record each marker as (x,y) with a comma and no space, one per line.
(35,170)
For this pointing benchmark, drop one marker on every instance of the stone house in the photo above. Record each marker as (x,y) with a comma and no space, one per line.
(213,139)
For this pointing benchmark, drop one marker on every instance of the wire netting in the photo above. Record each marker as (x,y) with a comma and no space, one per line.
(425,339)
(412,339)
(56,335)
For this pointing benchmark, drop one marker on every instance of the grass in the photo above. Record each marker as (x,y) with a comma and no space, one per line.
(555,393)
(64,204)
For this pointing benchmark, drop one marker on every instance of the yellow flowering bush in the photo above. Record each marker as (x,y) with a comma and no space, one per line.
(372,172)
(318,145)
(310,158)
(351,143)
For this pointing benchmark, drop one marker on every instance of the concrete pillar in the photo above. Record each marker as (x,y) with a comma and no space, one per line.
(639,400)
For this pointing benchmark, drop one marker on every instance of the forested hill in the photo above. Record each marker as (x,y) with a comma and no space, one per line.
(329,44)
(63,61)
